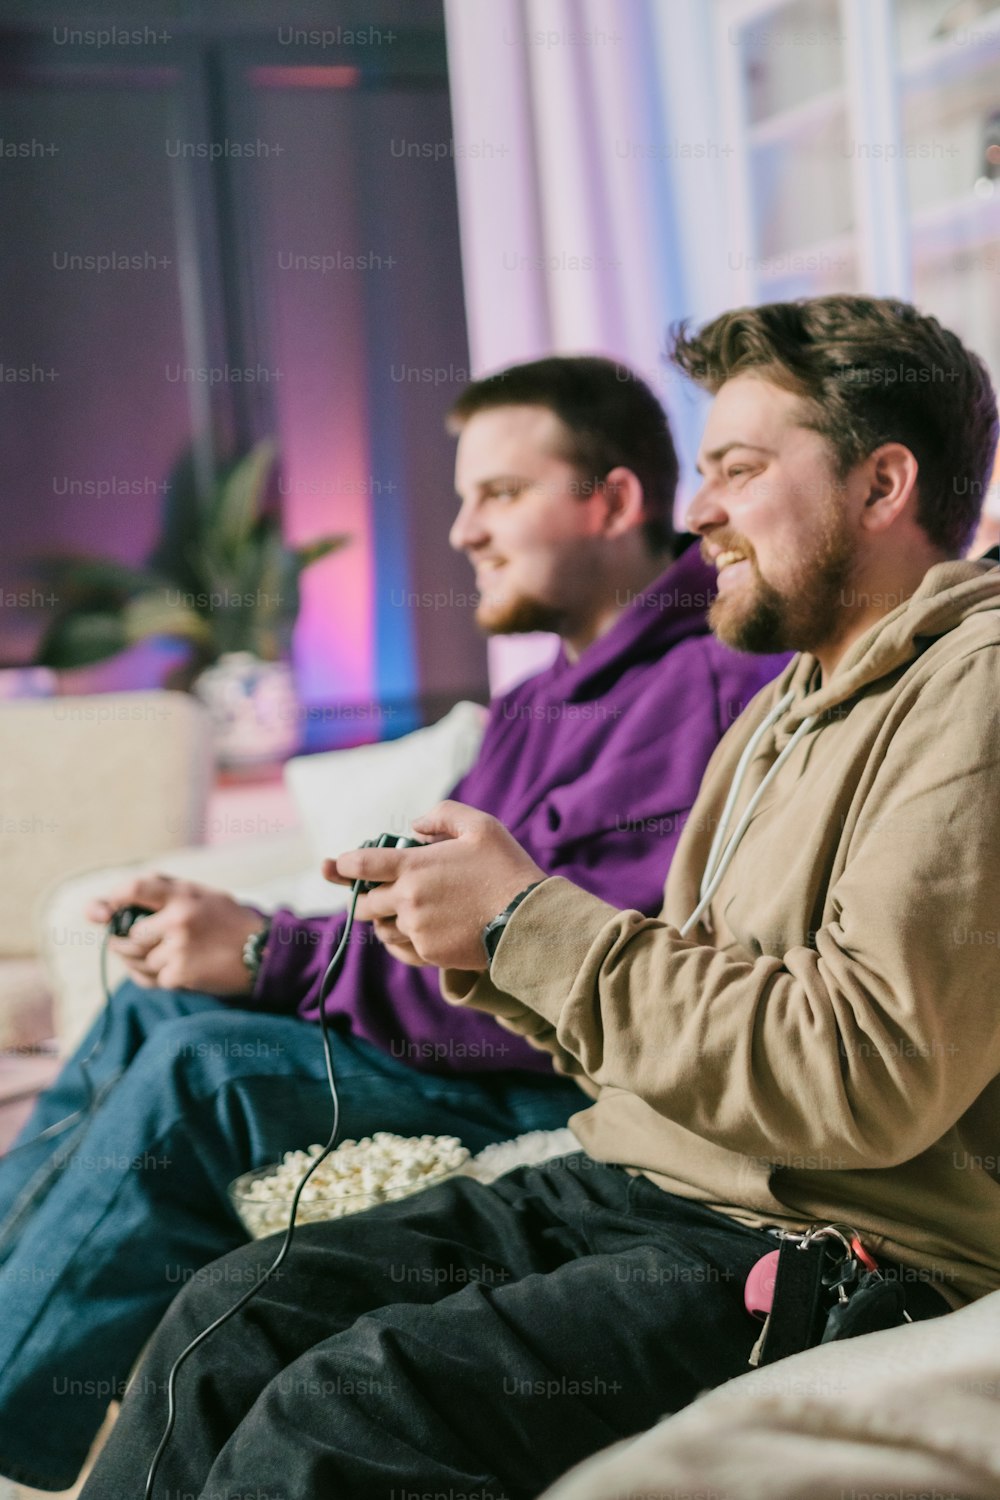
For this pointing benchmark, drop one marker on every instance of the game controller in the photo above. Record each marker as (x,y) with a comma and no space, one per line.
(385,841)
(124,919)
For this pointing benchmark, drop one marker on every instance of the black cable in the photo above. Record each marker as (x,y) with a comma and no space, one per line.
(332,970)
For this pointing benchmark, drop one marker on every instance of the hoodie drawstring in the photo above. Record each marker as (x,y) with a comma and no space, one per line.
(719,860)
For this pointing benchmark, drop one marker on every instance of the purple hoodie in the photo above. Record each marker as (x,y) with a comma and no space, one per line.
(593,765)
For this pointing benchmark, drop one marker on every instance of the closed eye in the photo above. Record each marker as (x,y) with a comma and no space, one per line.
(508,490)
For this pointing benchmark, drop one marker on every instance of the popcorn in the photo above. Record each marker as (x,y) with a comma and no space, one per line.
(357,1175)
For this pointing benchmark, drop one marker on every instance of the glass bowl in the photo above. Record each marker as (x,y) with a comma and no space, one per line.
(264,1205)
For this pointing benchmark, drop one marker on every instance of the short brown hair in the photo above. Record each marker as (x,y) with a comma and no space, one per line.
(611,415)
(870,370)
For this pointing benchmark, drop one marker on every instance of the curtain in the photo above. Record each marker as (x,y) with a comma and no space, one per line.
(592,183)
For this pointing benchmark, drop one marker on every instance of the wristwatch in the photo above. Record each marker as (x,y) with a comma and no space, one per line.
(494,931)
(253,950)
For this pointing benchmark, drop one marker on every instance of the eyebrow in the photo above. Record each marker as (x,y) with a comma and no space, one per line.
(718,454)
(494,479)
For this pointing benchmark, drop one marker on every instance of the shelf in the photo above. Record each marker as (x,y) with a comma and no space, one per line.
(800,119)
(946,61)
(747,12)
(966,223)
(823,256)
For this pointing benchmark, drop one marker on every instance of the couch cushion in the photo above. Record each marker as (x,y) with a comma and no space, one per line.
(25,1004)
(347,796)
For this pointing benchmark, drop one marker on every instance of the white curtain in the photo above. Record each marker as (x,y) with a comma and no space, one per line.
(592,182)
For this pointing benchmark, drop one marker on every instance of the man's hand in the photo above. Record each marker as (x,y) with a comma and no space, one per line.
(193,941)
(439,897)
(389,935)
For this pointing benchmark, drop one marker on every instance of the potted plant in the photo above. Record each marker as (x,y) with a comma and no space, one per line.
(221,578)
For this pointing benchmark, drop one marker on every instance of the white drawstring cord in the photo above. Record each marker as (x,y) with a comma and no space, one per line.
(735,784)
(710,883)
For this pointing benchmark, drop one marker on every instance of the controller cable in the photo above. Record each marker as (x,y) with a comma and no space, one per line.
(329,978)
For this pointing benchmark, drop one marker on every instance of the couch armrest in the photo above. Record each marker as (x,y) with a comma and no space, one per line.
(93,781)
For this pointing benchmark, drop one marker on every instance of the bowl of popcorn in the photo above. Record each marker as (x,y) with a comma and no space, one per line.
(357,1175)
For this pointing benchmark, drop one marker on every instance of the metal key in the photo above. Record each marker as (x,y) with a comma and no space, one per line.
(875,1305)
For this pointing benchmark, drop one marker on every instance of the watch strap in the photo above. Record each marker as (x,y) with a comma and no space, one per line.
(494,931)
(253,950)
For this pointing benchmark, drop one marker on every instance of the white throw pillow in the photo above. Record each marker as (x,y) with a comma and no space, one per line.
(347,796)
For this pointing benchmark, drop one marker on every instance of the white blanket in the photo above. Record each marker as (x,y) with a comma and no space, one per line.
(912,1414)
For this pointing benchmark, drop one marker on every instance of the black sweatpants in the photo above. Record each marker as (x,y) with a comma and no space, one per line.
(472,1341)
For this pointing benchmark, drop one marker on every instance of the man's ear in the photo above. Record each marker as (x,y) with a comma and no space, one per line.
(891,476)
(624,501)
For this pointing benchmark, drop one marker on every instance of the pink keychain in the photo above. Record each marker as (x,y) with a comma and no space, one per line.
(758,1294)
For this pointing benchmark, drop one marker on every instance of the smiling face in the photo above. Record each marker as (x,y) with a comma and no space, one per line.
(527,523)
(776,520)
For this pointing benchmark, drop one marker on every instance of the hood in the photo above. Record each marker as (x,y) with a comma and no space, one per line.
(671,609)
(948,594)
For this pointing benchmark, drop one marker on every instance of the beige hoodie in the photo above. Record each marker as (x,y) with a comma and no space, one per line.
(825,1042)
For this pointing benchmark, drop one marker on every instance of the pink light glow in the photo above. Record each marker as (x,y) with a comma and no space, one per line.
(325,480)
(326,488)
(342,77)
(319,340)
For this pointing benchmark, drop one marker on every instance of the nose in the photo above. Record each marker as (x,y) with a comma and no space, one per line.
(467,530)
(706,510)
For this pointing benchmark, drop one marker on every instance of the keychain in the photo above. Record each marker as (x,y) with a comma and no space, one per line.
(817,1287)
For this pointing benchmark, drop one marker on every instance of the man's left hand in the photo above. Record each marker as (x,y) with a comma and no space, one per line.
(439,897)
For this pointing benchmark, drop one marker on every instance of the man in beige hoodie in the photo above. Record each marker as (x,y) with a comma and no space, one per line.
(806,1034)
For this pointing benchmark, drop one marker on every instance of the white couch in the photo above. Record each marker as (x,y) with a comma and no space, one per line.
(914,1411)
(86,782)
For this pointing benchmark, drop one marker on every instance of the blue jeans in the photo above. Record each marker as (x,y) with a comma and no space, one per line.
(100,1227)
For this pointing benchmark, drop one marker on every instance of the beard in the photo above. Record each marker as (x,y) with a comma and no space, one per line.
(520,615)
(763,620)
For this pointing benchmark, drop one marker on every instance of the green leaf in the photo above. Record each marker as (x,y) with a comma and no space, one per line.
(276,580)
(158,614)
(218,545)
(183,519)
(215,576)
(239,499)
(80,575)
(78,640)
(312,551)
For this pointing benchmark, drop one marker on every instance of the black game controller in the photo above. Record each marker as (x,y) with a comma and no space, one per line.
(124,919)
(385,841)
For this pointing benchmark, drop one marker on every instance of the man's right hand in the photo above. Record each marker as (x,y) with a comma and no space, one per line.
(193,941)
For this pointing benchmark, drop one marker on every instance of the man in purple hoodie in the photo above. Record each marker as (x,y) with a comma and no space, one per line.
(566,473)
